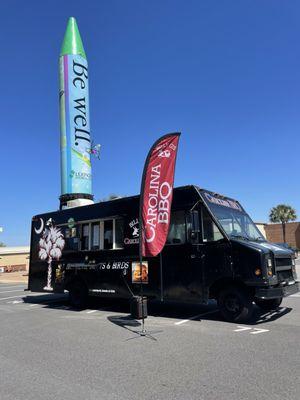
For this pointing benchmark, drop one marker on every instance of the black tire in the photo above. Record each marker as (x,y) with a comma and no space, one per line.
(268,305)
(235,304)
(78,295)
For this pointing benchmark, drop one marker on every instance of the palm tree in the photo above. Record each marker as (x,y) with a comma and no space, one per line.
(283,214)
(51,245)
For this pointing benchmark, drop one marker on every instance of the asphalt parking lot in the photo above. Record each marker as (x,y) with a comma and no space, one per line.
(50,351)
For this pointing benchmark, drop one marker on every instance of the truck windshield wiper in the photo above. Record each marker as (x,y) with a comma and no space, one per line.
(240,237)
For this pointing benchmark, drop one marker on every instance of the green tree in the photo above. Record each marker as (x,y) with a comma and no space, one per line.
(112,196)
(2,244)
(282,214)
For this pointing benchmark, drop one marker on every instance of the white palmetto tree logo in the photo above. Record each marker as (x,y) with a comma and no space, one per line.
(51,245)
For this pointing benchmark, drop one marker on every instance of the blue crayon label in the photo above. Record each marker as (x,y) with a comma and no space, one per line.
(76,174)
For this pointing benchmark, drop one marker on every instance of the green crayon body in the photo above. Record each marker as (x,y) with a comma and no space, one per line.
(76,177)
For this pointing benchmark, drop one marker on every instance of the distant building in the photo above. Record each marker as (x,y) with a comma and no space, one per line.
(292,233)
(14,258)
(261,227)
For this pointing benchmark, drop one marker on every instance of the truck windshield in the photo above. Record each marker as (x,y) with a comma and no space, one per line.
(234,220)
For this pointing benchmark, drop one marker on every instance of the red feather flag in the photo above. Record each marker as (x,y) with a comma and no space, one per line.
(156,194)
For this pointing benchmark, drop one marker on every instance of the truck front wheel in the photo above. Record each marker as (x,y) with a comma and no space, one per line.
(235,304)
(269,304)
(78,295)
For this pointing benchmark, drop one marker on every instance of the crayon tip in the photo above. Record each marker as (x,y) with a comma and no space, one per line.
(72,43)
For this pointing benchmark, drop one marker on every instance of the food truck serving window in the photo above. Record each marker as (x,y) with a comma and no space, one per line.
(119,233)
(95,235)
(105,234)
(85,237)
(233,219)
(177,230)
(108,234)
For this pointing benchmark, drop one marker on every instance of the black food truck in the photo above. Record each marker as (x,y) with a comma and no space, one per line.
(213,251)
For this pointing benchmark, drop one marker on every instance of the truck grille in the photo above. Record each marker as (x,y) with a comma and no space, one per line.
(283,268)
(283,262)
(285,276)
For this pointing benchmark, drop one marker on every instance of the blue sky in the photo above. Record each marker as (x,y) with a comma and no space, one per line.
(224,73)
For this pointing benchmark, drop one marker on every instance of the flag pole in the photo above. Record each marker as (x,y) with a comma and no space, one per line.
(141,230)
(141,233)
(143,333)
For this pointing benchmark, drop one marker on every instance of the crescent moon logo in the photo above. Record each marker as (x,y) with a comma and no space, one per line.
(38,231)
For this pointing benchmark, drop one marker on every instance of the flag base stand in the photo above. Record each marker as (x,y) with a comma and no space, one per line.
(138,307)
(139,311)
(145,334)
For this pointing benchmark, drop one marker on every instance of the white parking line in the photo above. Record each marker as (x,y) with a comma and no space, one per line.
(11,291)
(46,303)
(295,295)
(12,297)
(194,317)
(257,330)
(242,328)
(186,320)
(38,295)
(11,287)
(254,331)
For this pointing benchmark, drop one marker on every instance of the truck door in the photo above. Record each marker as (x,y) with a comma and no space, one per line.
(214,249)
(181,263)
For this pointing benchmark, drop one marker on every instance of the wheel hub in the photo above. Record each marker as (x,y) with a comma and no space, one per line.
(232,303)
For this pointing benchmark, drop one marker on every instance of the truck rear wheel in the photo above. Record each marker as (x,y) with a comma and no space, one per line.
(235,304)
(269,304)
(78,295)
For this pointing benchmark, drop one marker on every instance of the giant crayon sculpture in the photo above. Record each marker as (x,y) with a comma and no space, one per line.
(76,177)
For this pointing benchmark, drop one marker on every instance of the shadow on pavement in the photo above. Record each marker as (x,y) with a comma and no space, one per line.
(180,311)
(47,300)
(125,321)
(208,312)
(263,317)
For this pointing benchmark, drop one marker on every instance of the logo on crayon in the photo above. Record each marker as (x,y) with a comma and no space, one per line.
(79,175)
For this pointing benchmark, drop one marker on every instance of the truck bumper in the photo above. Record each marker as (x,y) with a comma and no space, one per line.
(277,292)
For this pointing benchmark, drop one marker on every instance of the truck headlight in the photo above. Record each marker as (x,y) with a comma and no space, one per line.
(269,266)
(269,263)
